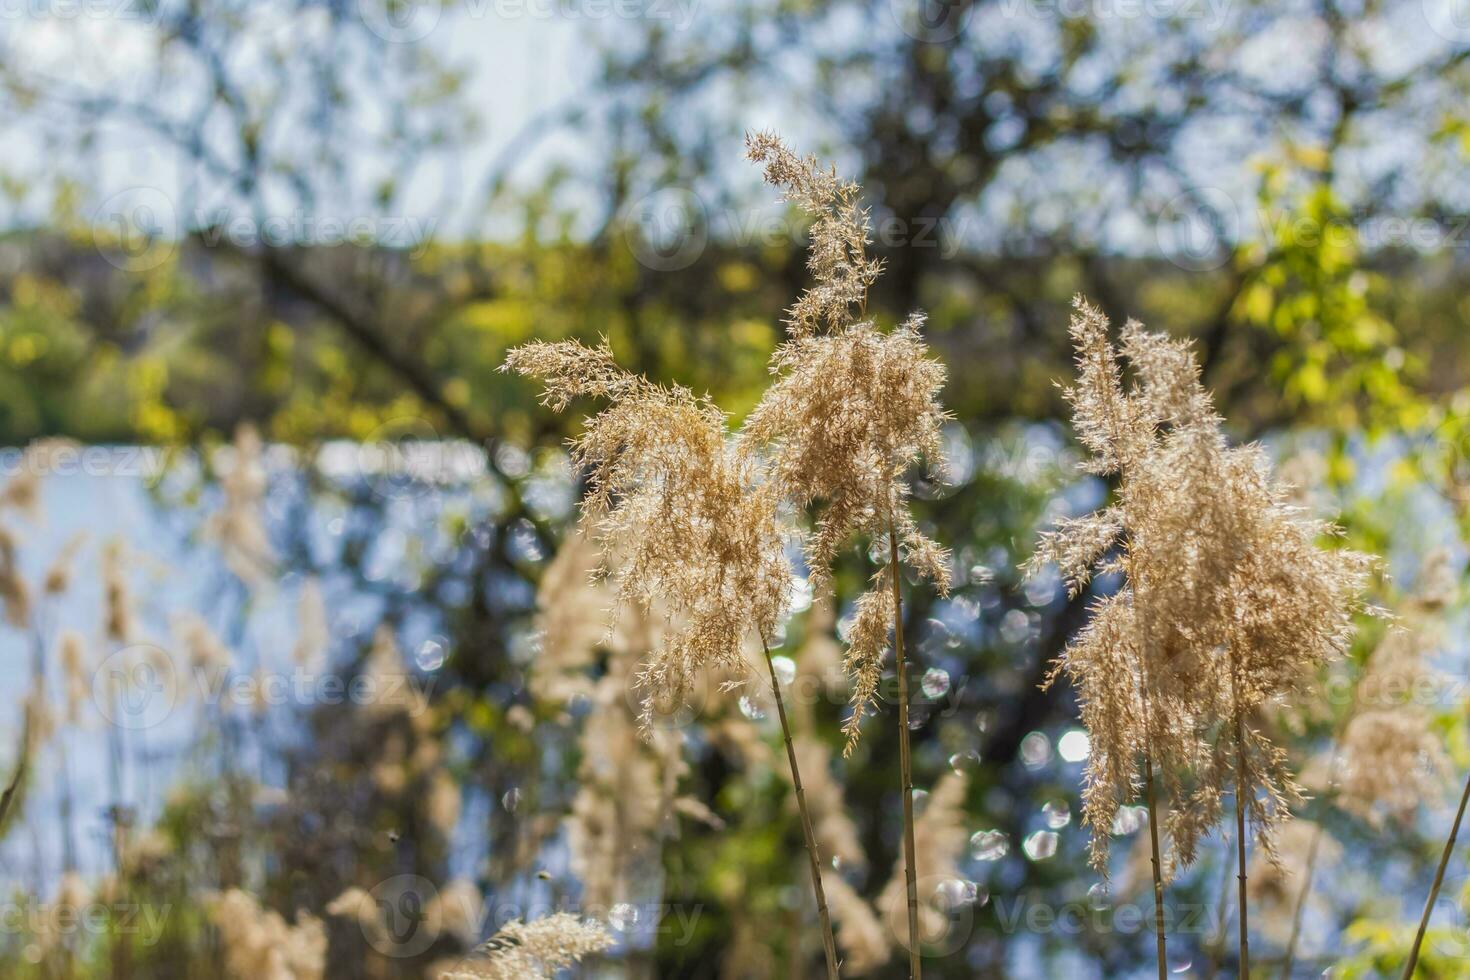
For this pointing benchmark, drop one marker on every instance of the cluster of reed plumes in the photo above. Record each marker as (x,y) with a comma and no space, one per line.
(694,520)
(1227,608)
(1232,598)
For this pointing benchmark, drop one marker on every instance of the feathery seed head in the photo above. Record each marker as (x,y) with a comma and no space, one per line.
(1229,600)
(533,950)
(852,408)
(687,512)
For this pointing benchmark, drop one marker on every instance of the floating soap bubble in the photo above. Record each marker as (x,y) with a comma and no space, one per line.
(622,916)
(1040,845)
(935,683)
(785,669)
(989,845)
(750,709)
(1056,814)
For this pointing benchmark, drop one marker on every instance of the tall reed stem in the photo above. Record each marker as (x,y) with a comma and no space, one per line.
(1301,901)
(1444,860)
(829,945)
(909,873)
(1222,916)
(1153,834)
(22,759)
(1241,788)
(1313,850)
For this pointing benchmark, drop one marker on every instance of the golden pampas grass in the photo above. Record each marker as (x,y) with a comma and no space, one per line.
(940,838)
(691,521)
(237,527)
(1228,603)
(533,950)
(258,944)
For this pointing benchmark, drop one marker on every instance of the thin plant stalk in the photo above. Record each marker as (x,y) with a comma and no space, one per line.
(1222,914)
(1153,834)
(906,772)
(1444,860)
(829,944)
(1313,850)
(1241,784)
(1301,901)
(22,761)
(1151,798)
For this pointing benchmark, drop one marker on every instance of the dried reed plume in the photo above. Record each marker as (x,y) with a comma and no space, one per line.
(312,634)
(573,612)
(237,526)
(1391,756)
(693,527)
(866,944)
(1227,604)
(940,834)
(1386,757)
(533,950)
(852,409)
(621,801)
(258,944)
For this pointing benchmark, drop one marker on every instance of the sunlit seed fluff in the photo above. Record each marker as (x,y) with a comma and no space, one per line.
(1228,599)
(941,835)
(205,651)
(58,576)
(853,407)
(572,616)
(72,652)
(1392,758)
(15,594)
(620,802)
(23,491)
(862,938)
(118,596)
(533,950)
(687,513)
(457,910)
(360,907)
(238,526)
(835,831)
(258,944)
(838,258)
(1275,881)
(312,636)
